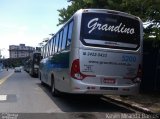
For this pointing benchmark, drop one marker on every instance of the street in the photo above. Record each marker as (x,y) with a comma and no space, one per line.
(20,93)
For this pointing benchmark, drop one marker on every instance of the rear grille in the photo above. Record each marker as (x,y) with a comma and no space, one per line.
(108,88)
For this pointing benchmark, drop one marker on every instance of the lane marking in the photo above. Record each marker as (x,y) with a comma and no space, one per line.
(5,78)
(3,97)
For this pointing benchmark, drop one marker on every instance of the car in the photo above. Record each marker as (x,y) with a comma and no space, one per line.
(17,69)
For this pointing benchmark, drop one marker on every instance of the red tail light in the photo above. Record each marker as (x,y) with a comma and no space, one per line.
(75,71)
(139,75)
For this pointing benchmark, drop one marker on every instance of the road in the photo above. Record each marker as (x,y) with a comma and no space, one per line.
(20,93)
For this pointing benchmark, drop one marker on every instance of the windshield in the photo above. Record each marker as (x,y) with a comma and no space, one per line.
(110,31)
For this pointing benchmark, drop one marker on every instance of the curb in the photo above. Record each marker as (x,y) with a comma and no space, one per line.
(133,106)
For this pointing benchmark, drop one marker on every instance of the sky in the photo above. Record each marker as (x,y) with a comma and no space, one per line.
(27,22)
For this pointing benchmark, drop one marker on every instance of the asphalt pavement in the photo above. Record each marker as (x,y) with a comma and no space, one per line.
(24,96)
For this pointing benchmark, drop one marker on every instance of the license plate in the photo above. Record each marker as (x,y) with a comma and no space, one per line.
(109,80)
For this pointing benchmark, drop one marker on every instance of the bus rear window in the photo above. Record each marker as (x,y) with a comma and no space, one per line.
(110,31)
(37,58)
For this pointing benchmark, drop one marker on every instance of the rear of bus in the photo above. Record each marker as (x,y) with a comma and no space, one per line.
(109,54)
(36,60)
(34,68)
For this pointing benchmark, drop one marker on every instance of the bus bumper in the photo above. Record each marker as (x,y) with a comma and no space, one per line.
(82,88)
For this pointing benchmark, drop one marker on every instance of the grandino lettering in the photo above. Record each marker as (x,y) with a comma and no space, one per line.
(93,24)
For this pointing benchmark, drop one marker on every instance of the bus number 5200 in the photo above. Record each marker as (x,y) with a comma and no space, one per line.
(127,58)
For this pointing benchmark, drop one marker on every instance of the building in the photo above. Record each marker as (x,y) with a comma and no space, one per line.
(20,51)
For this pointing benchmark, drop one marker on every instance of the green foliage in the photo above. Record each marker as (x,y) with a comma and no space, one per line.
(14,62)
(147,10)
(65,14)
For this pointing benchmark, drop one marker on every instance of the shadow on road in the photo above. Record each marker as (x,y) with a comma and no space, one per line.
(83,103)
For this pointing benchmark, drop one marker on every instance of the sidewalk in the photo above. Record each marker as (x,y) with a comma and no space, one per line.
(147,103)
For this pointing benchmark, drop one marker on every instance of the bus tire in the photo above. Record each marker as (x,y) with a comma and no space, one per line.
(42,83)
(54,91)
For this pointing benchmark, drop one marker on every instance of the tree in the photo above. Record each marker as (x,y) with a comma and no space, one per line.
(147,10)
(65,14)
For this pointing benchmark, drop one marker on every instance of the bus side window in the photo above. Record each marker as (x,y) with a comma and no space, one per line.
(70,34)
(45,47)
(64,37)
(56,43)
(53,47)
(46,50)
(42,51)
(49,47)
(60,41)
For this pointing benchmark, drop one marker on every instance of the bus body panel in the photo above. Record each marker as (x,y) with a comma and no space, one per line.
(79,87)
(114,64)
(43,70)
(60,71)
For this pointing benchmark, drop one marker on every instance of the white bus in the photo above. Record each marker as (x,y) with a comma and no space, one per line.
(97,51)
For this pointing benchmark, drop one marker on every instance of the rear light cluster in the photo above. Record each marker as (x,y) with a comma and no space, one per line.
(75,71)
(138,77)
